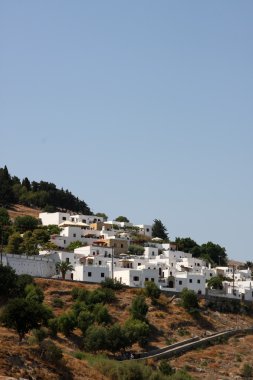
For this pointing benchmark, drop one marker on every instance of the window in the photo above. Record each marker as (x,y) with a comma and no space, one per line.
(121,245)
(136,278)
(211,275)
(147,229)
(74,235)
(89,274)
(64,218)
(180,282)
(153,253)
(72,219)
(84,220)
(102,275)
(64,241)
(190,280)
(152,279)
(67,260)
(146,279)
(198,281)
(170,273)
(100,262)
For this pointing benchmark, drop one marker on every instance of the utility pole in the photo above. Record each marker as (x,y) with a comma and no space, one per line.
(112,263)
(233,279)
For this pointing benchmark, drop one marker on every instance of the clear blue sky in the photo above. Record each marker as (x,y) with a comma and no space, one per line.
(141,108)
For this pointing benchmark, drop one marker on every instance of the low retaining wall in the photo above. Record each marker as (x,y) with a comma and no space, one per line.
(189,344)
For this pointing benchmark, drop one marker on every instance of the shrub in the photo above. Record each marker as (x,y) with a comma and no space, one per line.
(84,320)
(66,323)
(152,291)
(247,371)
(95,338)
(79,355)
(101,314)
(50,352)
(165,368)
(53,327)
(189,299)
(34,293)
(57,302)
(136,331)
(111,284)
(40,334)
(139,308)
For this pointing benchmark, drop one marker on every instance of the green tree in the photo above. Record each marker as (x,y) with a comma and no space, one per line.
(8,281)
(152,291)
(116,338)
(25,223)
(159,230)
(211,252)
(63,267)
(6,192)
(41,235)
(101,314)
(139,308)
(84,320)
(34,293)
(189,299)
(95,338)
(185,244)
(215,282)
(102,215)
(135,249)
(22,315)
(22,281)
(5,226)
(29,245)
(136,331)
(122,219)
(14,243)
(66,323)
(74,244)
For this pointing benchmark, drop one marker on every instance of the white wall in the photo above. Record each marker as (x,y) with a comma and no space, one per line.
(32,265)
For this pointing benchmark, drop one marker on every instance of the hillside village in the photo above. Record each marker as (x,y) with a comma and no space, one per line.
(105,254)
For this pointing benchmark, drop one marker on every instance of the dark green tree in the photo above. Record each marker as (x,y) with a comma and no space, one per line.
(8,281)
(22,315)
(122,219)
(159,230)
(25,223)
(211,252)
(185,244)
(6,192)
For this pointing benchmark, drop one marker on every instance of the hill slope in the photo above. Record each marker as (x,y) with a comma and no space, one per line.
(170,323)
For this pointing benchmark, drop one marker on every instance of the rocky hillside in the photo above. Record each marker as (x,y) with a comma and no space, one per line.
(169,323)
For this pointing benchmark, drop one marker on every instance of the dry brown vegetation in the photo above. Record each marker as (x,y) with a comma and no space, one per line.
(170,323)
(20,210)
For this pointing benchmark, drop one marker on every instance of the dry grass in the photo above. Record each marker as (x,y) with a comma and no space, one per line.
(20,210)
(169,322)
